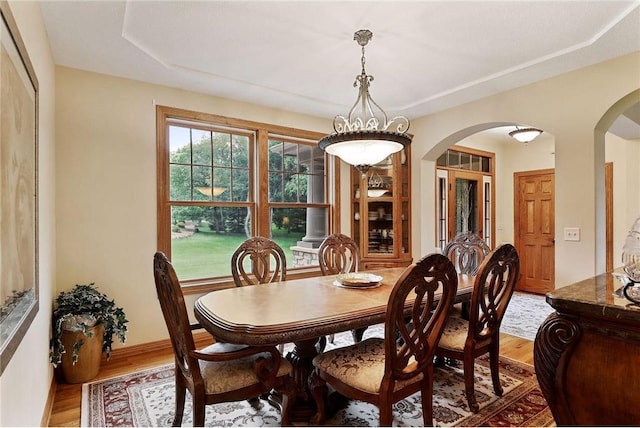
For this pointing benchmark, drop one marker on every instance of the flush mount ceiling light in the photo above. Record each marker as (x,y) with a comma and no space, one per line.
(525,135)
(365,137)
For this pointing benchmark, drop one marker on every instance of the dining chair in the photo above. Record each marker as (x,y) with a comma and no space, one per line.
(258,260)
(221,372)
(465,340)
(337,254)
(467,250)
(384,371)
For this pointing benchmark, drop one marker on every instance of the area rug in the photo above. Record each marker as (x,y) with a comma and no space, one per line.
(146,398)
(524,315)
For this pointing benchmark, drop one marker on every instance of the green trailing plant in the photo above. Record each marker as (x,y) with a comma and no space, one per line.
(80,309)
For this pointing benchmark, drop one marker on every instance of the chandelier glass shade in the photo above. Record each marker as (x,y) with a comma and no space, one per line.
(525,135)
(365,136)
(211,191)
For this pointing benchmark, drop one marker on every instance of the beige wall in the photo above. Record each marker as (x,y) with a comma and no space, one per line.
(25,382)
(106,184)
(568,107)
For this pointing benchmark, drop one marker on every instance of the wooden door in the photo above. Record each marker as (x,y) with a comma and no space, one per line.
(535,229)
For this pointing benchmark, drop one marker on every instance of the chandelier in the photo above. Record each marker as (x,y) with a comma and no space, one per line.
(365,137)
(525,135)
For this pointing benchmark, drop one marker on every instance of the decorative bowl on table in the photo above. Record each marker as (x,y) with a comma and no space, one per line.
(358,280)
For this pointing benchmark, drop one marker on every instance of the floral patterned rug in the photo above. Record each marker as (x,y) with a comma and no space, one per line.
(524,315)
(146,398)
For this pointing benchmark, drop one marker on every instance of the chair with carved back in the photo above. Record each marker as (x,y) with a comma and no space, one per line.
(258,260)
(337,254)
(381,371)
(467,250)
(221,372)
(465,340)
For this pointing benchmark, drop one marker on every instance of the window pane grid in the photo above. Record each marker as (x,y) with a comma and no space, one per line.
(213,201)
(296,168)
(202,165)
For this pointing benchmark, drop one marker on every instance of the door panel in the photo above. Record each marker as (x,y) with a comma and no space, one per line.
(535,230)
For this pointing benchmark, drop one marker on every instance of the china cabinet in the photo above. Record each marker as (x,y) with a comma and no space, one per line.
(381,212)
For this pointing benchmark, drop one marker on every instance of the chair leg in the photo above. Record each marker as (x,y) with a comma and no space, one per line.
(181,391)
(198,411)
(255,402)
(494,362)
(357,334)
(468,382)
(386,414)
(331,338)
(427,399)
(318,389)
(321,344)
(466,309)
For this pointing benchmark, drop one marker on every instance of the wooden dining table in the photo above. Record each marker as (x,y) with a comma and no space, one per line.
(300,311)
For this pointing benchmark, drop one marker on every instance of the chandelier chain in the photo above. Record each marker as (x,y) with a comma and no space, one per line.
(365,136)
(369,116)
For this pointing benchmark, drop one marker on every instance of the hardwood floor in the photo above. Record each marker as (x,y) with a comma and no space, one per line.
(66,404)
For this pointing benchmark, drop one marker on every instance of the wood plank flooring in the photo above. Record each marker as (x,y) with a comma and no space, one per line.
(66,405)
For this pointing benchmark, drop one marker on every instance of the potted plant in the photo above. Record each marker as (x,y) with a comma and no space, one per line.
(84,323)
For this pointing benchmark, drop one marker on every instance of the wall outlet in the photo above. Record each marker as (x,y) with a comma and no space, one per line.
(571,233)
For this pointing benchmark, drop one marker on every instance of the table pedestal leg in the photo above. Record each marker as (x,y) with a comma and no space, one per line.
(304,408)
(301,358)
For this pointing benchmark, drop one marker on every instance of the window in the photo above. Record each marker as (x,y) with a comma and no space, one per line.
(461,159)
(222,180)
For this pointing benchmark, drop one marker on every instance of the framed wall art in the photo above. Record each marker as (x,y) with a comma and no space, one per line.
(18,189)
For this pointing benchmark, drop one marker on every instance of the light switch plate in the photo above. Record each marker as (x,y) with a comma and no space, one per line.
(571,233)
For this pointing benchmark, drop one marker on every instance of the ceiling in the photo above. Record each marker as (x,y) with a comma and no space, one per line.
(426,56)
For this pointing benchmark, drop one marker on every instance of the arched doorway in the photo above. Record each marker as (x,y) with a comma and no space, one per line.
(617,183)
(511,157)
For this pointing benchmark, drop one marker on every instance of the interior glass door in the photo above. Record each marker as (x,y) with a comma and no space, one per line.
(466,203)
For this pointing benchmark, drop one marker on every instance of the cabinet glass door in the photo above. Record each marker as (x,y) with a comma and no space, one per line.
(380,210)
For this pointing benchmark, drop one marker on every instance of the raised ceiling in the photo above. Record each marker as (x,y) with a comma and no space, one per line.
(426,56)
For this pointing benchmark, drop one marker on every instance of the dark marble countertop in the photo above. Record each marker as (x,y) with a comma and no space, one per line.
(599,296)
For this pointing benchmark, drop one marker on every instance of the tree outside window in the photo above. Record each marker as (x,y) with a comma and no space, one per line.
(211,198)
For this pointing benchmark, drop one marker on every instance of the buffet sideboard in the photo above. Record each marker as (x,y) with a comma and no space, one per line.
(587,355)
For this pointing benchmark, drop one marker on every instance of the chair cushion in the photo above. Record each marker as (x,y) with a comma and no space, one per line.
(226,376)
(455,333)
(361,366)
